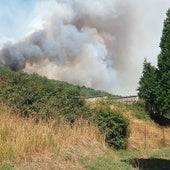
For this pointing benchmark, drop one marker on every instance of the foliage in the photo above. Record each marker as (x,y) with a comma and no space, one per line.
(141,103)
(38,96)
(154,85)
(89,92)
(147,85)
(138,109)
(163,93)
(113,124)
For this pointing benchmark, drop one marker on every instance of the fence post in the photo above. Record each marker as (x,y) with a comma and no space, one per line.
(145,137)
(163,134)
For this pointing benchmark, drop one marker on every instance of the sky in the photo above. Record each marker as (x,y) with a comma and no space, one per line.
(15,17)
(139,37)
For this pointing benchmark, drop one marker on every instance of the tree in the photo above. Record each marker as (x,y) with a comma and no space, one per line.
(154,85)
(148,85)
(163,92)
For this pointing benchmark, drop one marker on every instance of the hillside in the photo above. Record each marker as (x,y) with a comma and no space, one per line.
(6,74)
(47,124)
(26,144)
(40,97)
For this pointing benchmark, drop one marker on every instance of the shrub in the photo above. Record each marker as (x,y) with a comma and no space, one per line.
(114,125)
(38,96)
(141,103)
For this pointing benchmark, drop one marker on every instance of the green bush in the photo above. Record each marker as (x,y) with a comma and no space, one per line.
(141,103)
(114,125)
(38,96)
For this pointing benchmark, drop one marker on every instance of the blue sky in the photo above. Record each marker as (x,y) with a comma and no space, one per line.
(15,16)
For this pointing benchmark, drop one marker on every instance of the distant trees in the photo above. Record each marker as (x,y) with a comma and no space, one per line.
(154,85)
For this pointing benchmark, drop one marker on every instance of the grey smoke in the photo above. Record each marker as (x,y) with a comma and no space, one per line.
(88,43)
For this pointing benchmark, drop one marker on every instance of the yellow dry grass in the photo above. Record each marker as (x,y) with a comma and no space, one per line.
(53,145)
(148,135)
(144,134)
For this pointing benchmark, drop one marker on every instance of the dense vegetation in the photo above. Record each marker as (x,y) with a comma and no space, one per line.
(154,85)
(37,96)
(41,98)
(57,144)
(113,124)
(26,144)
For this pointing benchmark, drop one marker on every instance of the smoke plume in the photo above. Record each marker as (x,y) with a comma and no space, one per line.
(91,43)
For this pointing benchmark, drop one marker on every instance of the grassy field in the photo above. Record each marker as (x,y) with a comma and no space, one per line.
(26,144)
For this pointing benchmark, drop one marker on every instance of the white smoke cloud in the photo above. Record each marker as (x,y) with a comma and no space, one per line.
(99,43)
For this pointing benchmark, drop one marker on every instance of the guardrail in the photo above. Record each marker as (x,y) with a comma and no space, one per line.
(121,99)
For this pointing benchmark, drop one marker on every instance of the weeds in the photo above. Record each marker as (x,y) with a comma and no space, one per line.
(22,140)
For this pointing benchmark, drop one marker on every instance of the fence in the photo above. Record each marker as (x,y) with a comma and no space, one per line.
(149,137)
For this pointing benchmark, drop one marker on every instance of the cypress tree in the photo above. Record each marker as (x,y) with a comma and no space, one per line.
(154,85)
(163,89)
(147,86)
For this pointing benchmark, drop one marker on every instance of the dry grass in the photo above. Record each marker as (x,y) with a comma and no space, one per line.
(148,135)
(123,110)
(26,144)
(144,134)
(54,145)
